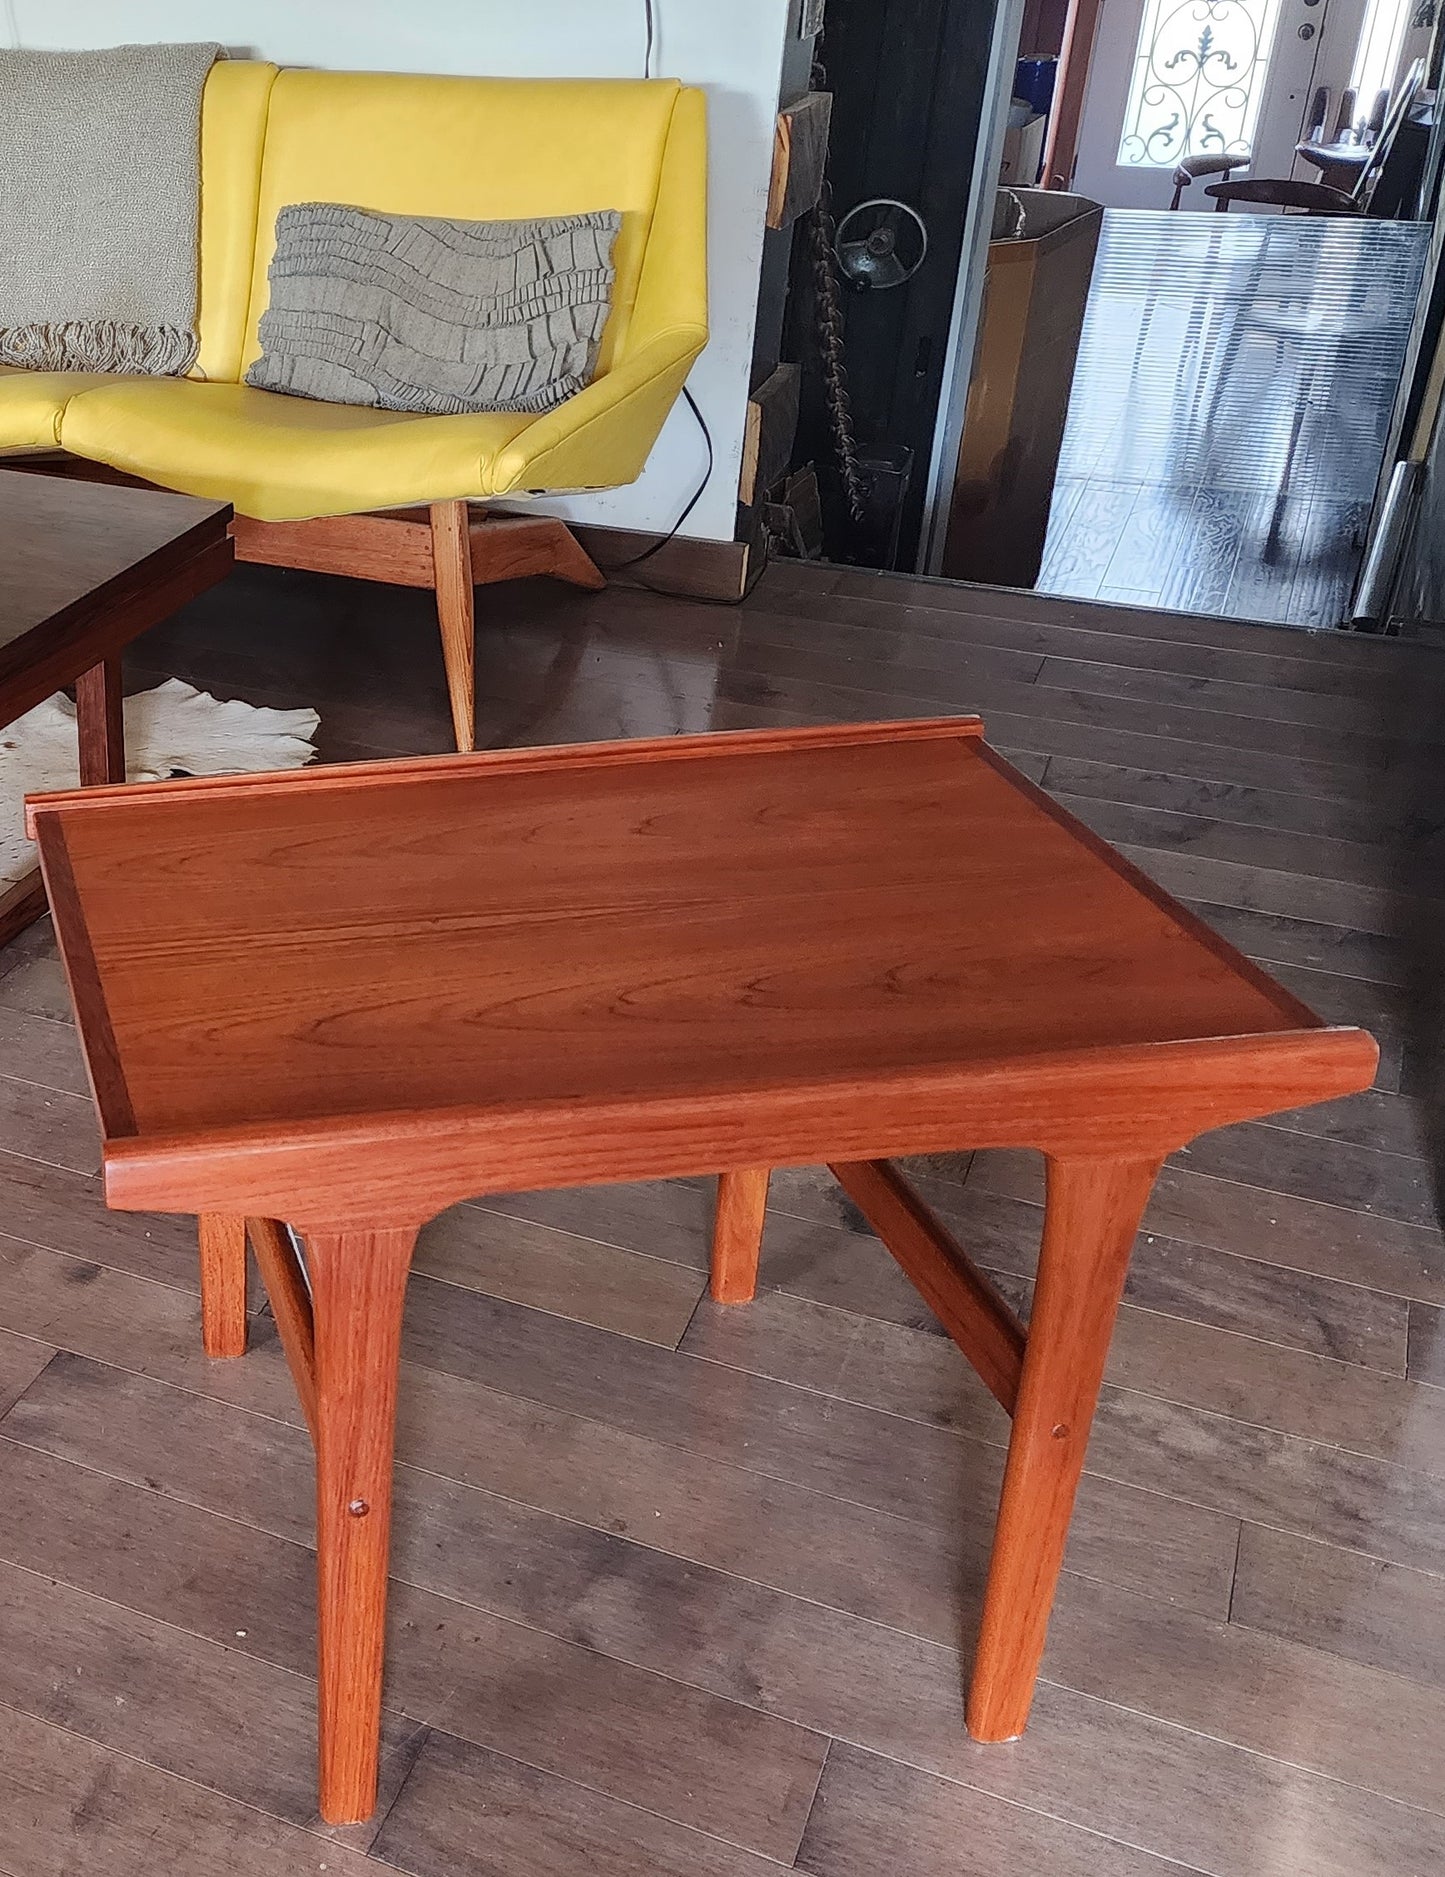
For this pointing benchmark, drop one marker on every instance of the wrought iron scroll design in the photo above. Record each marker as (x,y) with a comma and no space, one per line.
(1199,70)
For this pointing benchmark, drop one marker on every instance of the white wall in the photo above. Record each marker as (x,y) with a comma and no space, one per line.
(731,47)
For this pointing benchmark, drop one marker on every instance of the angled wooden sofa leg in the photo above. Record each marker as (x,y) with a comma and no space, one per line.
(444,546)
(456,614)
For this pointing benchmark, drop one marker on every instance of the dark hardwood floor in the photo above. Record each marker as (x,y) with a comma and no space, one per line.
(1229,410)
(681,1590)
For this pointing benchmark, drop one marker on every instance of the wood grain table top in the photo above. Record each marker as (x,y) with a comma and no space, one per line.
(867,939)
(72,549)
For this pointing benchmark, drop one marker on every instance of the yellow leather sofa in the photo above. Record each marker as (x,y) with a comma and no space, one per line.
(472,148)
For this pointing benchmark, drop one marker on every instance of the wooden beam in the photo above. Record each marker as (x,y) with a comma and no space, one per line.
(290,1298)
(367,547)
(800,151)
(1081,26)
(965,1299)
(21,905)
(508,547)
(684,566)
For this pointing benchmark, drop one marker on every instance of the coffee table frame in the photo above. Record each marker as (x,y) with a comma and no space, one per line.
(357,1189)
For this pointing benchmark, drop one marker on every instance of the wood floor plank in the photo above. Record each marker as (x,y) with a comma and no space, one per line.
(246,1729)
(1273,1695)
(34,985)
(1280,939)
(816,672)
(1270,702)
(1292,660)
(70,1806)
(21,1360)
(750,697)
(40,1050)
(1343,1602)
(822,1252)
(854,1830)
(999,1217)
(1238,1468)
(554,1703)
(1268,889)
(1098,519)
(546,1269)
(1393,1123)
(1254,1474)
(1427,1344)
(1341,648)
(1286,850)
(114,1316)
(1227,1334)
(1277,1228)
(1272,1302)
(66,1211)
(467,1812)
(1238,805)
(43,1124)
(1314,1397)
(1336,1172)
(914,1373)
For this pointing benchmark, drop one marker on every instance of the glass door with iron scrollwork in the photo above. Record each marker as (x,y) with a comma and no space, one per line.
(1177,78)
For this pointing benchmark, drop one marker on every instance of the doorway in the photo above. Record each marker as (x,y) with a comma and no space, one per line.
(1175,79)
(1240,375)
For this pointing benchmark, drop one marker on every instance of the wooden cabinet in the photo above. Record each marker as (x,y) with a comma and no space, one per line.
(1033,313)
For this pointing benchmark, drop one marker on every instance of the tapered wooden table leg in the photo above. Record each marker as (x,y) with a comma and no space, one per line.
(100,723)
(223,1284)
(1090,1221)
(358,1288)
(737,1237)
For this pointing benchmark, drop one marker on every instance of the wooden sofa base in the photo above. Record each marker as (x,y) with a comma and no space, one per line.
(447,548)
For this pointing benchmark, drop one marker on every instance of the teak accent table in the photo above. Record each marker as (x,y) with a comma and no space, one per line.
(348,998)
(86,569)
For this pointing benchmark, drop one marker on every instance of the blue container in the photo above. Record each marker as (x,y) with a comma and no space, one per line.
(1034,82)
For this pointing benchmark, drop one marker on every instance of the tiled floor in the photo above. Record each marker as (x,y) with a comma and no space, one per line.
(683,1590)
(1184,481)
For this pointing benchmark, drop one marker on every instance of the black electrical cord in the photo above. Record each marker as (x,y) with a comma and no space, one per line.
(618,567)
(651,37)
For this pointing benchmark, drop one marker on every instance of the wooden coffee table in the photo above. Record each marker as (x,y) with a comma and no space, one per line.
(348,998)
(84,569)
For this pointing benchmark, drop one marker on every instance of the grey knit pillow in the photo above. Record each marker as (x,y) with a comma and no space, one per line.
(413,314)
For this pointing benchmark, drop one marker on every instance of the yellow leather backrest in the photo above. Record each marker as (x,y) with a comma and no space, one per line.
(233,128)
(468,148)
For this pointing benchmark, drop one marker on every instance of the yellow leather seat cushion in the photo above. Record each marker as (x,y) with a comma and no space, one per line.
(282,458)
(31,403)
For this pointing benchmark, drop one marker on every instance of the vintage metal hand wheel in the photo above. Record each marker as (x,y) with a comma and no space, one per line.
(881,244)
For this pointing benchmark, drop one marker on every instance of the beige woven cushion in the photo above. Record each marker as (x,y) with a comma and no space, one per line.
(410,313)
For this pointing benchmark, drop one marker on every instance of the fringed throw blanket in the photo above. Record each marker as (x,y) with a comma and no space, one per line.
(99,199)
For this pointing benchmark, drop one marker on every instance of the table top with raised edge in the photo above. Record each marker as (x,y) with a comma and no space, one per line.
(868,932)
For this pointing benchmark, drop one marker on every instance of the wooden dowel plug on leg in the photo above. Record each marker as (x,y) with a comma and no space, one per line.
(737,1237)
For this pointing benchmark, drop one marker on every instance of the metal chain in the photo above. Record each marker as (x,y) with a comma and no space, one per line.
(828,312)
